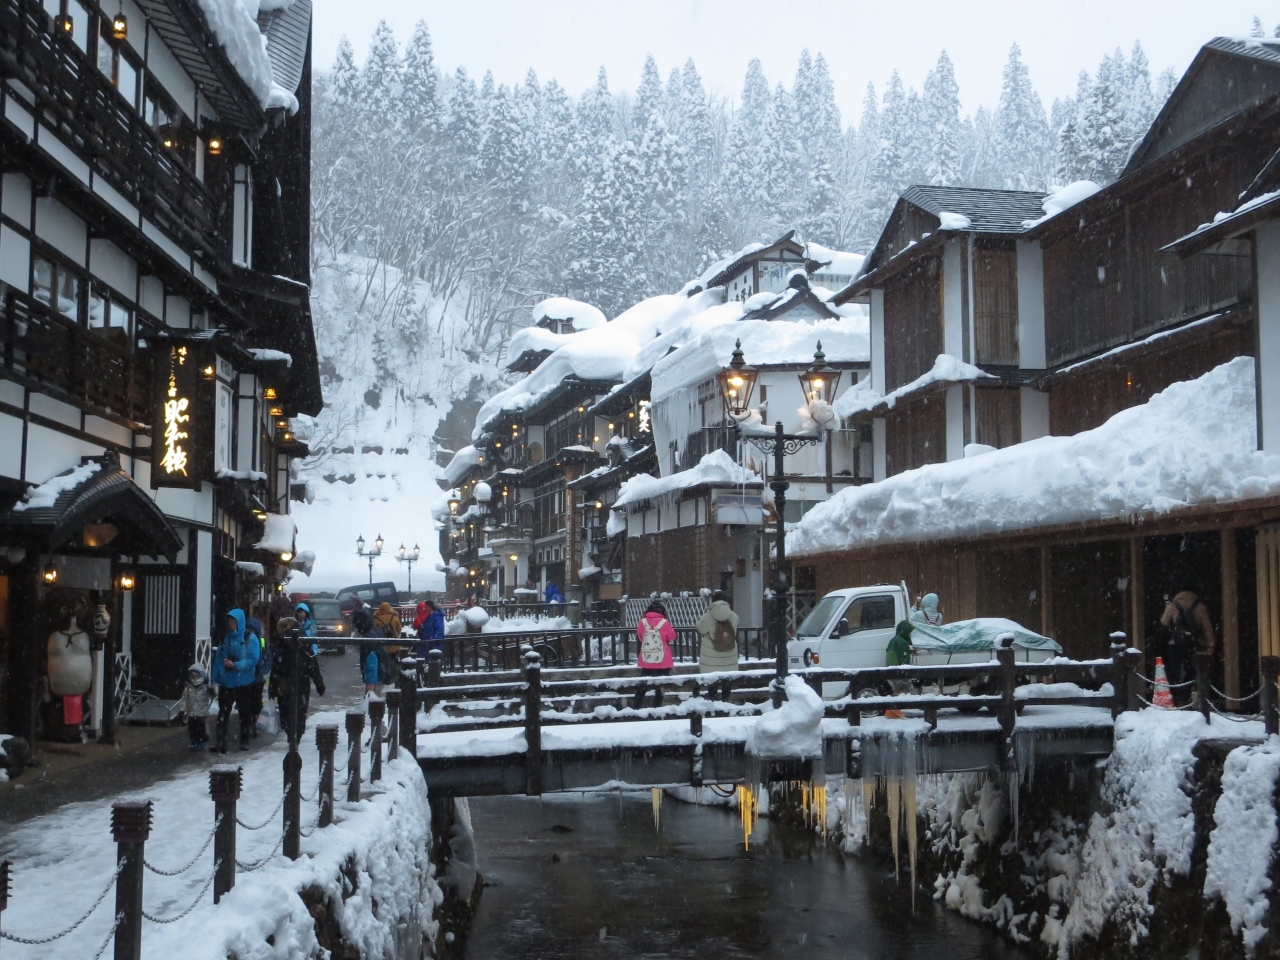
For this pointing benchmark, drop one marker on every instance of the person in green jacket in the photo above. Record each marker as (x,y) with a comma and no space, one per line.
(898,653)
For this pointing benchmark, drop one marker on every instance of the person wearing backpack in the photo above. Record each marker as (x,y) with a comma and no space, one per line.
(653,655)
(387,625)
(718,630)
(1188,628)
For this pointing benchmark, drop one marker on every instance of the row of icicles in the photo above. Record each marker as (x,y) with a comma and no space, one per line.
(899,796)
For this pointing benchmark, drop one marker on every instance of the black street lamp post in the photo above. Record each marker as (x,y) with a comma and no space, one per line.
(371,554)
(736,385)
(409,557)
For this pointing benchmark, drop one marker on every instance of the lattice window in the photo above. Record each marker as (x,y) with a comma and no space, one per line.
(162,595)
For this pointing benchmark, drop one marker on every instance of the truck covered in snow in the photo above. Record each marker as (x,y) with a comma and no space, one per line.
(851,628)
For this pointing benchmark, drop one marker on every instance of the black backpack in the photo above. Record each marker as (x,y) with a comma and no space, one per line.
(1185,632)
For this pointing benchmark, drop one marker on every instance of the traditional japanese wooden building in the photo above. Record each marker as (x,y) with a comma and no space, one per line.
(155,334)
(1158,278)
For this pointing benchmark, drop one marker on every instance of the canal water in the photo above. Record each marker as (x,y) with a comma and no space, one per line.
(589,878)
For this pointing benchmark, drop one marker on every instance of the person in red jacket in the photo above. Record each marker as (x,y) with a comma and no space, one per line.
(655,635)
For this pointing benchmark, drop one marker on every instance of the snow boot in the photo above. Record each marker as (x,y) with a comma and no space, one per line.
(244,736)
(221,745)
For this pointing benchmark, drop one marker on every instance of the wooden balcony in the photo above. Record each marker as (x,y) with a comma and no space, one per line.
(106,132)
(45,349)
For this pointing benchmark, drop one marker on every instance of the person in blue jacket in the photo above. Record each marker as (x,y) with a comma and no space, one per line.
(431,631)
(235,665)
(306,624)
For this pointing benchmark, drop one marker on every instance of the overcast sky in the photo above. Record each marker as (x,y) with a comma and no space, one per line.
(863,42)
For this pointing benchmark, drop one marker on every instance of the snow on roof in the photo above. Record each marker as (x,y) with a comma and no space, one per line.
(461,462)
(1063,198)
(583,315)
(235,24)
(46,494)
(1193,443)
(946,369)
(705,277)
(709,347)
(249,567)
(278,532)
(1223,215)
(953,221)
(601,353)
(716,467)
(839,262)
(271,356)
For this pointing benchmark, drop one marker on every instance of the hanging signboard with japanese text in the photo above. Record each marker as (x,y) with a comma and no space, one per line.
(178,450)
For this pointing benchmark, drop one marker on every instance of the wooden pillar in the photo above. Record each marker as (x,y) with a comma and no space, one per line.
(1046,591)
(1137,596)
(1230,614)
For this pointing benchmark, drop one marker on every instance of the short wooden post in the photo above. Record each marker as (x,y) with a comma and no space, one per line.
(1121,674)
(355,730)
(533,723)
(392,696)
(409,714)
(130,828)
(6,870)
(1008,707)
(853,714)
(377,710)
(292,842)
(435,666)
(1270,666)
(326,743)
(225,782)
(1204,666)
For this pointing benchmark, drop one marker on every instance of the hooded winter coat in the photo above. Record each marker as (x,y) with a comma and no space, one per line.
(242,649)
(928,612)
(649,657)
(308,624)
(711,660)
(387,624)
(197,697)
(898,653)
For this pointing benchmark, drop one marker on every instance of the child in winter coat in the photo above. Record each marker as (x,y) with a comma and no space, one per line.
(655,635)
(197,697)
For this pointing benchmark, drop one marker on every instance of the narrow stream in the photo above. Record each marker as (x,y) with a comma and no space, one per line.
(582,878)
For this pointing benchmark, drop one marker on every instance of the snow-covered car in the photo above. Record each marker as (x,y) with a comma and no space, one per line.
(851,628)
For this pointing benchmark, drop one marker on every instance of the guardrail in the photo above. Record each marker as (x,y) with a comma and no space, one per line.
(576,647)
(530,703)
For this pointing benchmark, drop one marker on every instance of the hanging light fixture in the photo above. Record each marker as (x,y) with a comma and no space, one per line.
(49,574)
(120,26)
(215,146)
(286,556)
(126,581)
(455,503)
(737,383)
(65,23)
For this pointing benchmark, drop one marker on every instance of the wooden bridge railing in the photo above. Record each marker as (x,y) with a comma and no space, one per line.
(531,703)
(578,647)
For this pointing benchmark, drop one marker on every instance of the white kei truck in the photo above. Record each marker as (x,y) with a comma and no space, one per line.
(851,629)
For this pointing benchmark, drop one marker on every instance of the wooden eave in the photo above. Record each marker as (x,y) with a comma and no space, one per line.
(930,246)
(1227,228)
(1116,357)
(1210,145)
(186,32)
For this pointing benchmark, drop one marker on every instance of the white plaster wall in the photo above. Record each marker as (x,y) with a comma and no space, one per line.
(955,421)
(952,303)
(1035,413)
(1031,348)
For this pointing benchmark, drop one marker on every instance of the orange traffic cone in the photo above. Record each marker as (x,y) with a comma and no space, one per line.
(1163,696)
